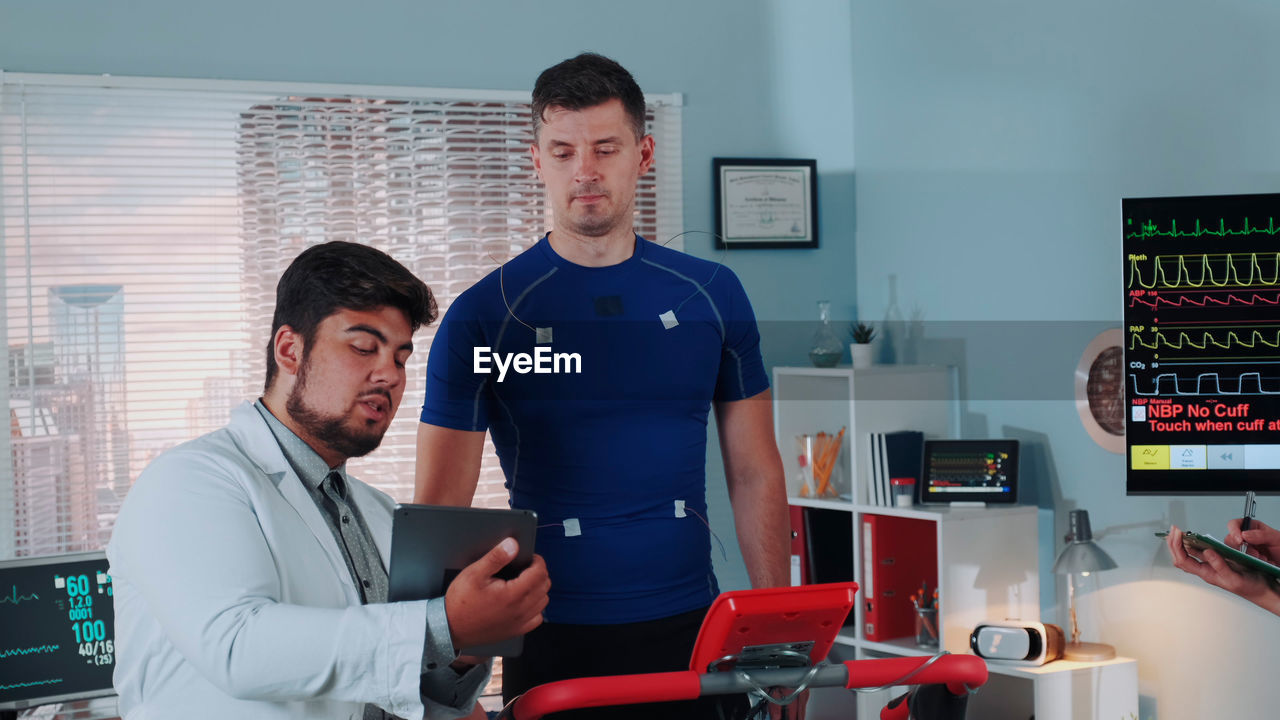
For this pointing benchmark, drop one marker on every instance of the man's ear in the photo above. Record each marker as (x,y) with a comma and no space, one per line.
(289,349)
(536,154)
(647,154)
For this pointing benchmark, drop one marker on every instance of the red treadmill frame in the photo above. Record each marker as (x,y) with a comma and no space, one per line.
(749,619)
(770,616)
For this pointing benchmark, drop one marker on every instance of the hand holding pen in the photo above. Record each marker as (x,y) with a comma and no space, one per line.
(1246,520)
(1263,540)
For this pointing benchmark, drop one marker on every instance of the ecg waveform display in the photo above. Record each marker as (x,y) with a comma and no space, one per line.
(59,630)
(1202,349)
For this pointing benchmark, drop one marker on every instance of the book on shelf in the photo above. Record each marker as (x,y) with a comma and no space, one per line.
(875,454)
(892,455)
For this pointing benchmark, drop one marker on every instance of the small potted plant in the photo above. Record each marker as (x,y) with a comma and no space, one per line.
(860,350)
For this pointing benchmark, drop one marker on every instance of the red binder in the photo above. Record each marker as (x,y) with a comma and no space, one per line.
(799,553)
(899,555)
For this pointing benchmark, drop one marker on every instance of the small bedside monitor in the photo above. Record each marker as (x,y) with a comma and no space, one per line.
(969,472)
(58,643)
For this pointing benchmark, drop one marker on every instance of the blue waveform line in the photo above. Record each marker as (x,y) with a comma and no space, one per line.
(1212,379)
(1204,361)
(17,599)
(28,651)
(54,681)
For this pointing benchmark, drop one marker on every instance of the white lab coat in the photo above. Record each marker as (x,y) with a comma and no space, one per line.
(233,599)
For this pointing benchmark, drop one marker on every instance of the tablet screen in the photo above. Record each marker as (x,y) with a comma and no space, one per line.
(431,544)
(983,471)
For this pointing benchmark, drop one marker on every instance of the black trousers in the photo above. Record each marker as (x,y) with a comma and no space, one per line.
(557,651)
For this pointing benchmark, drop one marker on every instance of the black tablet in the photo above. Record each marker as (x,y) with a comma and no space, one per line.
(969,471)
(431,544)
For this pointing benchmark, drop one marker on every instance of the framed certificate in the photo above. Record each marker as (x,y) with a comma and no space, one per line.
(765,203)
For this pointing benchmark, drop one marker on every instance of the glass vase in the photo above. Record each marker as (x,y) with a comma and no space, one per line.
(826,349)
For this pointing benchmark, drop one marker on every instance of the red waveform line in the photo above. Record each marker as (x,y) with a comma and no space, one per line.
(1182,301)
(1228,323)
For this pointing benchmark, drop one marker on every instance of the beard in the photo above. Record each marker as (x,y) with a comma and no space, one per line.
(593,225)
(332,430)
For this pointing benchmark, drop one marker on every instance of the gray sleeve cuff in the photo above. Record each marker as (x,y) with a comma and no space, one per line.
(437,651)
(441,685)
(446,688)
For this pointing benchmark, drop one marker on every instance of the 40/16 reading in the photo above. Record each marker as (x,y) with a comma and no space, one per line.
(99,652)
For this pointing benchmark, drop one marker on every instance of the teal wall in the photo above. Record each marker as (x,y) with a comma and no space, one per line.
(995,140)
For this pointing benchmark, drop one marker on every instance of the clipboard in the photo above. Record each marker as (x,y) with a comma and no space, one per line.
(430,544)
(1238,561)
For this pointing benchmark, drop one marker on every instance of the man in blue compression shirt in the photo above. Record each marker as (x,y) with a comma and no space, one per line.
(593,359)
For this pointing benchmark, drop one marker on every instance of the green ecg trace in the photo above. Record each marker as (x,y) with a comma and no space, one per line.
(15,598)
(1149,229)
(1185,276)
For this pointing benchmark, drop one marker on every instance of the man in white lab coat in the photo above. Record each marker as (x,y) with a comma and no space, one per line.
(250,569)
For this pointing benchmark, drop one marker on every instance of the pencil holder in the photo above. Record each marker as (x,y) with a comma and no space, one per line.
(817,456)
(927,627)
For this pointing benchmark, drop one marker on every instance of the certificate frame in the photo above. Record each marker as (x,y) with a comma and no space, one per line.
(765,203)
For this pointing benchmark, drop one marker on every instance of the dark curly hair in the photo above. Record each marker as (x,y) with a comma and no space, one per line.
(334,276)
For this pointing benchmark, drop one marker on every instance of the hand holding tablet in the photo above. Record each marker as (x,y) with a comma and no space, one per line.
(433,546)
(1195,543)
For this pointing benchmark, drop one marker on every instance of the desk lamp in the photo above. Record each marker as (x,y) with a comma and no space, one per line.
(1082,556)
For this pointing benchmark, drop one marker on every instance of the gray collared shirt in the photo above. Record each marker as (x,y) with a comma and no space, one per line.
(328,488)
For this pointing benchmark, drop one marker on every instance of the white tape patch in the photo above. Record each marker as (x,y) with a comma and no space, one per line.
(668,319)
(572,528)
(542,336)
(680,509)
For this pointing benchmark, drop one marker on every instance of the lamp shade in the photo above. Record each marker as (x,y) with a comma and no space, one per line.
(1081,555)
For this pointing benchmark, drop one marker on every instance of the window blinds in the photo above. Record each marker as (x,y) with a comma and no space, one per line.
(145,223)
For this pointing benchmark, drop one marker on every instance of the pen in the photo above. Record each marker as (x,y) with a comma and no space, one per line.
(1247,520)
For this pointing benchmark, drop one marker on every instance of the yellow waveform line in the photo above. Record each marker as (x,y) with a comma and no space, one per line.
(1207,275)
(1207,339)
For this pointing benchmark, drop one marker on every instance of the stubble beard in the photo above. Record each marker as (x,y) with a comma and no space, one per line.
(594,222)
(330,430)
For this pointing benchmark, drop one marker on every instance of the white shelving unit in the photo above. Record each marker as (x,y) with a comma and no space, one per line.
(1060,690)
(987,557)
(881,398)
